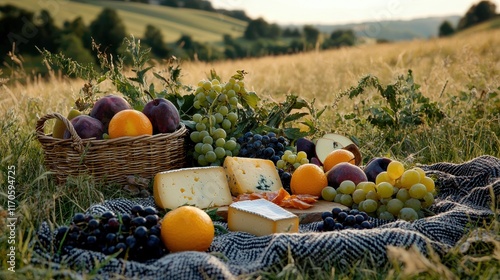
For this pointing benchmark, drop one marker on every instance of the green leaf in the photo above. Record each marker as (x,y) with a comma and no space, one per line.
(294,133)
(294,117)
(251,99)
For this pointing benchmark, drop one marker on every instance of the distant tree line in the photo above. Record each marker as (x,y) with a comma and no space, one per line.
(199,5)
(477,13)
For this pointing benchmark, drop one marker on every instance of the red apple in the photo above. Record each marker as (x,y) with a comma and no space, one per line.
(163,115)
(307,146)
(86,127)
(375,166)
(345,171)
(106,107)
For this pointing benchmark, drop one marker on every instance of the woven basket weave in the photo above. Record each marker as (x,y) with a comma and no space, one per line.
(111,160)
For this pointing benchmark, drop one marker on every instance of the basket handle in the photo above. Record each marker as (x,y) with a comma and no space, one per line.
(77,141)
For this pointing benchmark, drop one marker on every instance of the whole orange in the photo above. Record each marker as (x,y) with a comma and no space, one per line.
(337,156)
(129,122)
(187,228)
(308,179)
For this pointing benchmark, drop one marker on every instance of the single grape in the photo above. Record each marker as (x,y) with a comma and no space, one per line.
(408,214)
(417,191)
(370,205)
(328,224)
(384,190)
(413,203)
(403,195)
(211,156)
(206,148)
(394,206)
(409,178)
(358,196)
(420,171)
(384,177)
(372,195)
(395,169)
(197,118)
(347,187)
(428,183)
(328,193)
(386,216)
(346,199)
(221,142)
(368,186)
(326,214)
(428,200)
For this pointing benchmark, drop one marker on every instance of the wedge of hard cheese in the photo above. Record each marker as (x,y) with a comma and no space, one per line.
(249,175)
(260,217)
(202,187)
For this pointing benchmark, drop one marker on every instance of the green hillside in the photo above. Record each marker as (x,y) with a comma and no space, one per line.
(489,25)
(203,26)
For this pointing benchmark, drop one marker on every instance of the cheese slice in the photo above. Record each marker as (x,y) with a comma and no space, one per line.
(261,217)
(202,187)
(249,175)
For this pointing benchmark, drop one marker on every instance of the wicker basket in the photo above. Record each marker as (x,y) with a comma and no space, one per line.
(111,160)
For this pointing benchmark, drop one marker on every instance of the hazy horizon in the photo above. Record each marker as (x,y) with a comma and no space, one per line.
(290,12)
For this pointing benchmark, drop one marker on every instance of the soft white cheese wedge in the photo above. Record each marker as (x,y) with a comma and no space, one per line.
(202,187)
(261,217)
(249,175)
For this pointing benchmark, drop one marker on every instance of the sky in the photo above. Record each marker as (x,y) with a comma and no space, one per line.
(345,11)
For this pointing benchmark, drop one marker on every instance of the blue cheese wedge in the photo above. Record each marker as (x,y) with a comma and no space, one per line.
(261,217)
(202,187)
(249,175)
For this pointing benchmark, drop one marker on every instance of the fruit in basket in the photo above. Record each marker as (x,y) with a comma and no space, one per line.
(187,228)
(106,107)
(375,166)
(163,115)
(129,122)
(60,127)
(86,127)
(308,179)
(345,171)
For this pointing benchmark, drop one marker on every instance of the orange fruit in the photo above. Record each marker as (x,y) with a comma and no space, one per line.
(308,179)
(129,122)
(337,156)
(187,228)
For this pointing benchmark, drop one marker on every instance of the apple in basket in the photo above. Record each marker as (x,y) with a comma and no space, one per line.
(86,127)
(106,107)
(163,115)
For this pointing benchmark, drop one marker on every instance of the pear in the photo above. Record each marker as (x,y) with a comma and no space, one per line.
(59,127)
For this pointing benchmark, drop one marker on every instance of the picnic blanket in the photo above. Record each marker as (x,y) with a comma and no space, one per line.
(465,195)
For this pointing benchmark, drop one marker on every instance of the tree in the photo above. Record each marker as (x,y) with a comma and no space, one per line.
(483,11)
(72,46)
(108,30)
(311,35)
(154,39)
(256,28)
(446,29)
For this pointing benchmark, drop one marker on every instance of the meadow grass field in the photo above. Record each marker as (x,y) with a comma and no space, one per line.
(173,22)
(461,74)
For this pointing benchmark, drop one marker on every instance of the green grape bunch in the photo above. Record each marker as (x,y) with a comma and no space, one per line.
(216,120)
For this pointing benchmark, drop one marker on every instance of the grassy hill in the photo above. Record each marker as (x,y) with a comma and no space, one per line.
(203,26)
(489,25)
